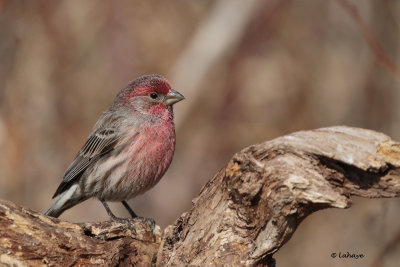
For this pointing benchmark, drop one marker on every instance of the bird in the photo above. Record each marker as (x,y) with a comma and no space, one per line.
(128,150)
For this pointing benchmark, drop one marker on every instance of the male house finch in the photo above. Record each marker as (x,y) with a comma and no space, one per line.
(128,151)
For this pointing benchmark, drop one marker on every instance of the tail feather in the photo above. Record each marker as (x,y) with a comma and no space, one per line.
(64,201)
(53,211)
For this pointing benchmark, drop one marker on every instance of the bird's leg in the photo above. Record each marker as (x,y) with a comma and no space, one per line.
(143,219)
(117,219)
(131,212)
(112,216)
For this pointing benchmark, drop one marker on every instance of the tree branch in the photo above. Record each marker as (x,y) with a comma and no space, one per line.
(242,216)
(253,206)
(28,238)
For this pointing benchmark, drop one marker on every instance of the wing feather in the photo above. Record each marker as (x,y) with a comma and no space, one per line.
(99,143)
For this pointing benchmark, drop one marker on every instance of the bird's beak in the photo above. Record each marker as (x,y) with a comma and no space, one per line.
(173,97)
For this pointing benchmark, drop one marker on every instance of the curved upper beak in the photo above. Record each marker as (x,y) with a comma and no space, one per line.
(173,97)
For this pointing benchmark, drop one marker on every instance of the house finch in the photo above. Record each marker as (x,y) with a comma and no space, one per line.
(128,151)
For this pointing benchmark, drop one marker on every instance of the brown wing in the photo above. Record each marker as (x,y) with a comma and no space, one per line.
(98,143)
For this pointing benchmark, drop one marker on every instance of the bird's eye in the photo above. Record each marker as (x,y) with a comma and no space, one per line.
(154,95)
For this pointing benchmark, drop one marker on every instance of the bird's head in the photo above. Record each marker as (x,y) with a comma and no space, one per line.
(149,94)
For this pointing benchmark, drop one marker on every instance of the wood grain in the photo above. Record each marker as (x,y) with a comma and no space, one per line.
(242,216)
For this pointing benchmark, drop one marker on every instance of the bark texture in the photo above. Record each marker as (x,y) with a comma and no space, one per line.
(28,238)
(241,217)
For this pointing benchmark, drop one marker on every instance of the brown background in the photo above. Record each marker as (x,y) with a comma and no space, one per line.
(250,70)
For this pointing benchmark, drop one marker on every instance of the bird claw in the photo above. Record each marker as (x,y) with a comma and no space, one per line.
(150,221)
(126,221)
(129,222)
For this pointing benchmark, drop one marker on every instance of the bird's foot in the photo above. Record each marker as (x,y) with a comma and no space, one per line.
(150,221)
(126,221)
(129,222)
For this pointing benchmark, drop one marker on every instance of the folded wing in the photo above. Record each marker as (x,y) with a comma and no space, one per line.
(99,143)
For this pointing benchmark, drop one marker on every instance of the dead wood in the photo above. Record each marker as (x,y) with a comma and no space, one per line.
(241,217)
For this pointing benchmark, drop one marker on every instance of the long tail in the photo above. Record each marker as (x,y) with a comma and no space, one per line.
(64,201)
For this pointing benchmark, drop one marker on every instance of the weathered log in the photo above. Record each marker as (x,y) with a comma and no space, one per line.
(242,216)
(28,238)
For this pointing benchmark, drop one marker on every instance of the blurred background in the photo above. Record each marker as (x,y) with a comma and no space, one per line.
(250,71)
